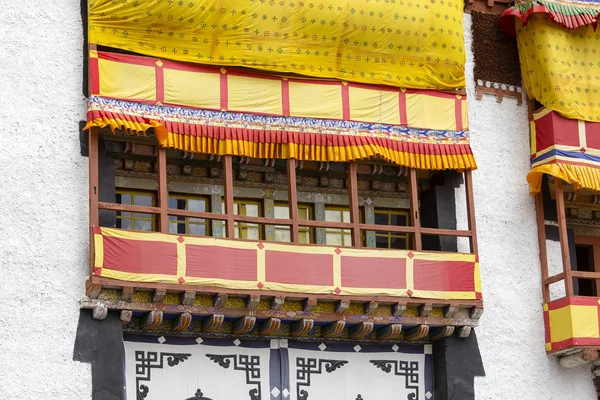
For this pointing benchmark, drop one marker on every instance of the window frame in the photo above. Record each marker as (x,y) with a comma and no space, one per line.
(184,196)
(132,218)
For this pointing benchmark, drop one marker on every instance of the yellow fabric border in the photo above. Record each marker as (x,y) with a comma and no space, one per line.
(581,177)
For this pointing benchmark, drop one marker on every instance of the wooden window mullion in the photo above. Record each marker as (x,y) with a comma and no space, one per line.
(163,192)
(471,212)
(293,200)
(353,202)
(414,208)
(541,228)
(564,239)
(228,192)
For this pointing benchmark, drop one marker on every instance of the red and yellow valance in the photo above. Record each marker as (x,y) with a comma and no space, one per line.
(565,148)
(409,44)
(572,322)
(156,257)
(159,81)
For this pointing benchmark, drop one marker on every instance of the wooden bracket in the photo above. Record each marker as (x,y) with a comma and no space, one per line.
(464,332)
(152,320)
(398,309)
(476,312)
(243,325)
(301,327)
(252,301)
(126,316)
(425,310)
(182,322)
(310,304)
(450,311)
(500,90)
(269,326)
(212,323)
(389,332)
(100,311)
(342,306)
(417,333)
(127,293)
(440,333)
(277,303)
(93,290)
(220,299)
(360,331)
(370,307)
(159,295)
(334,329)
(188,297)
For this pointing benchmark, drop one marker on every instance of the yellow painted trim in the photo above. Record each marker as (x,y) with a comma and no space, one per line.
(93,53)
(581,131)
(477,278)
(132,277)
(410,274)
(98,251)
(261,265)
(443,295)
(181,260)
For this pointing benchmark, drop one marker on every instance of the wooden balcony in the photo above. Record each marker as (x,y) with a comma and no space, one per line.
(165,284)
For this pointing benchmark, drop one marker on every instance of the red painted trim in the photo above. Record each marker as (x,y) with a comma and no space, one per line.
(97,271)
(95,76)
(136,60)
(458,113)
(373,87)
(561,161)
(285,97)
(433,93)
(402,105)
(97,230)
(224,92)
(575,342)
(574,300)
(345,102)
(547,326)
(160,83)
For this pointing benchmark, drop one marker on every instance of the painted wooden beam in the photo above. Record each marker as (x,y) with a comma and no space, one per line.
(333,330)
(152,320)
(390,332)
(243,325)
(182,322)
(188,297)
(360,331)
(417,333)
(269,327)
(302,327)
(212,323)
(440,333)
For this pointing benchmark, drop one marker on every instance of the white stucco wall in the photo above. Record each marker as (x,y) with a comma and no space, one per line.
(511,335)
(43,200)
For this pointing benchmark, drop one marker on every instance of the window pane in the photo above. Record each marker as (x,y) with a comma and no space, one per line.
(173,227)
(346,215)
(197,220)
(252,232)
(124,223)
(124,198)
(142,200)
(333,215)
(334,238)
(347,238)
(381,219)
(141,225)
(282,234)
(304,213)
(398,243)
(144,216)
(196,205)
(197,229)
(398,219)
(282,212)
(172,202)
(251,210)
(381,242)
(124,214)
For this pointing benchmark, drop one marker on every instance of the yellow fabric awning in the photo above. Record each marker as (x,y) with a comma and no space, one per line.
(410,44)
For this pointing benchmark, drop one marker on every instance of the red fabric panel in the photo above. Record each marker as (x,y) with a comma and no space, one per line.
(299,268)
(221,263)
(592,135)
(139,256)
(376,273)
(455,276)
(566,131)
(544,132)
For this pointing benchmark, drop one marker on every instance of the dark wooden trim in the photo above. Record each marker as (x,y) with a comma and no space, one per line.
(445,232)
(93,188)
(228,185)
(414,209)
(293,199)
(564,238)
(471,211)
(585,274)
(353,204)
(127,208)
(550,280)
(109,283)
(163,192)
(541,228)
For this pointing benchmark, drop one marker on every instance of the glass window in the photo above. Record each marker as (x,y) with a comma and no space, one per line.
(135,221)
(335,236)
(282,233)
(246,230)
(189,225)
(391,240)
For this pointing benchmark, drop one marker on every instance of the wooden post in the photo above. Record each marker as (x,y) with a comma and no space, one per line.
(293,200)
(596,255)
(414,208)
(353,202)
(471,212)
(541,228)
(564,238)
(163,192)
(228,185)
(93,190)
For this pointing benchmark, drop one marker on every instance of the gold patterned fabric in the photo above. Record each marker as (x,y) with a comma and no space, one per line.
(409,44)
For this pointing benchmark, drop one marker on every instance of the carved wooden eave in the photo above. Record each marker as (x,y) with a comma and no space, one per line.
(173,310)
(488,6)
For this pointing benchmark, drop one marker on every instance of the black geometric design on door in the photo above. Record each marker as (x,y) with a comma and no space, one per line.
(408,369)
(241,362)
(307,366)
(147,361)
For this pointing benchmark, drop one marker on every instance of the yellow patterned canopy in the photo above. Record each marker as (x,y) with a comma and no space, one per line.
(561,67)
(404,43)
